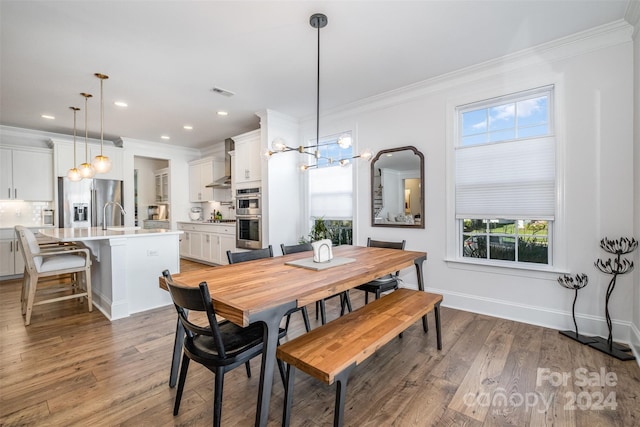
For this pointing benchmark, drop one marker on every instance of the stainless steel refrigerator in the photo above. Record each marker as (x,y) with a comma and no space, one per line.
(81,203)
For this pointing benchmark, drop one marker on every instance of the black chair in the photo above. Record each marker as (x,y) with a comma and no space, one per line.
(385,283)
(320,305)
(236,257)
(219,346)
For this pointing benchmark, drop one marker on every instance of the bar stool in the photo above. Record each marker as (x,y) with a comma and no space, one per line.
(52,265)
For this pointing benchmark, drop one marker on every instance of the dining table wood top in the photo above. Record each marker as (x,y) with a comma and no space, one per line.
(239,291)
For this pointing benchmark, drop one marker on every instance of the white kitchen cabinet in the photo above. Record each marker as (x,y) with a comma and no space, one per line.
(202,173)
(26,174)
(11,259)
(207,242)
(162,185)
(247,166)
(64,158)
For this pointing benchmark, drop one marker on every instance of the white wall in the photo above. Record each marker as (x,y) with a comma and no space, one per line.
(636,274)
(594,86)
(178,169)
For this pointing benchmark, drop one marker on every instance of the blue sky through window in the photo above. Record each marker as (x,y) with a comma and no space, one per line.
(525,118)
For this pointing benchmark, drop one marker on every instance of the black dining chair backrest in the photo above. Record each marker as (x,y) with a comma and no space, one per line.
(196,299)
(382,244)
(236,257)
(294,249)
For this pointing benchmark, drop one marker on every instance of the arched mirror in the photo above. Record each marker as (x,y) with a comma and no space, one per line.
(397,188)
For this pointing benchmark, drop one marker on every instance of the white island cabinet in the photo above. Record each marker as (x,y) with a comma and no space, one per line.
(127,264)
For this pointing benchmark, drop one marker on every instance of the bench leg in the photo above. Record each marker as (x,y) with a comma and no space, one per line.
(341,392)
(436,311)
(288,396)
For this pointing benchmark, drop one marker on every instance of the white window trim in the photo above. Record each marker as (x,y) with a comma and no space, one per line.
(465,96)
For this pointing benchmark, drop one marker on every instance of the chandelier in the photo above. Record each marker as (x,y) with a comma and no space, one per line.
(318,20)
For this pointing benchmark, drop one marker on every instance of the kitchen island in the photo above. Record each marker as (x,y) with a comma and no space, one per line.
(126,264)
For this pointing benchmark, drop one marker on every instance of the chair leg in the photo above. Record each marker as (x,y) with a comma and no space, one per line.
(282,374)
(366,297)
(217,396)
(305,318)
(248,366)
(33,282)
(87,278)
(183,376)
(345,302)
(317,309)
(286,325)
(378,293)
(323,312)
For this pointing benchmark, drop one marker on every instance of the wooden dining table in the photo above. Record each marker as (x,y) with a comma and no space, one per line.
(265,290)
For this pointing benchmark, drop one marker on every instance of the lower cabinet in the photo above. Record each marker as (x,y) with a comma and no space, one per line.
(11,260)
(207,242)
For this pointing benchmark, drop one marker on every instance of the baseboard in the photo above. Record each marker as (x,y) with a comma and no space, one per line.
(540,316)
(635,342)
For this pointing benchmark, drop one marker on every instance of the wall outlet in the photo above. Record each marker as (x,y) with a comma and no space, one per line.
(153,252)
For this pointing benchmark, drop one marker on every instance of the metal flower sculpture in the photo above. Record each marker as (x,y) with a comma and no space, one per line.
(614,267)
(580,282)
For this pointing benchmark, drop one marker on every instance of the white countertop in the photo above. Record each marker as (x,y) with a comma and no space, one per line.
(97,233)
(226,222)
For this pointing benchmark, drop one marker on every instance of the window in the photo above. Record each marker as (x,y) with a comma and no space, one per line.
(330,189)
(505,183)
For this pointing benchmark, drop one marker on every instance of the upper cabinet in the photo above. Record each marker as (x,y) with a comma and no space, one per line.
(247,166)
(162,185)
(65,157)
(26,174)
(201,174)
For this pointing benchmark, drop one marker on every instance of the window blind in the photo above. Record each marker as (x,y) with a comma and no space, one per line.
(514,179)
(330,192)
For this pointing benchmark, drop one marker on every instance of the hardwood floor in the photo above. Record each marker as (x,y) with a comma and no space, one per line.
(72,367)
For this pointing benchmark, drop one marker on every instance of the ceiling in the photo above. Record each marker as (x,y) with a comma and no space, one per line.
(164,57)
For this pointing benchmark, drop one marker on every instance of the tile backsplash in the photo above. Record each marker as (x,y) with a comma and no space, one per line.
(22,213)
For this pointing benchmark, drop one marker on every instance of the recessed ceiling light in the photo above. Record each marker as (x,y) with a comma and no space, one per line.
(121,104)
(165,137)
(48,117)
(223,113)
(389,155)
(188,127)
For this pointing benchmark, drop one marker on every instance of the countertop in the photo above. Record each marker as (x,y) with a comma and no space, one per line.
(223,222)
(97,233)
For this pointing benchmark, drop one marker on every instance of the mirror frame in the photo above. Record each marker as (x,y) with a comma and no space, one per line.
(373,168)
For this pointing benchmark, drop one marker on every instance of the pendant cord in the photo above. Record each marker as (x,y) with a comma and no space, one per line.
(318,96)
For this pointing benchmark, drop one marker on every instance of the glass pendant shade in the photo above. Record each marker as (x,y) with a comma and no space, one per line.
(86,170)
(74,174)
(101,163)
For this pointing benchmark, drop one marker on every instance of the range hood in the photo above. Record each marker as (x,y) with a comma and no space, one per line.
(225,181)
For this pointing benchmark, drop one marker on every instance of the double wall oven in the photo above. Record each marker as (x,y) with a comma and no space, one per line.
(249,218)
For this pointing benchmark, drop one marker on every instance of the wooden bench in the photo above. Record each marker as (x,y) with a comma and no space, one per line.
(331,351)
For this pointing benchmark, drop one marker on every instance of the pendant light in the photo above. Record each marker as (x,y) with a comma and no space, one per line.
(101,163)
(318,21)
(86,170)
(74,174)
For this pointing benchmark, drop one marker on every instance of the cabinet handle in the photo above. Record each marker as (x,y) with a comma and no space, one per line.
(11,246)
(15,193)
(8,193)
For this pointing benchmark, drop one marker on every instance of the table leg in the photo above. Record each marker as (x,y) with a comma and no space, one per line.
(271,319)
(436,311)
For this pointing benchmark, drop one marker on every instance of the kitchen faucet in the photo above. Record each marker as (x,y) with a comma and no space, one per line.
(104,213)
